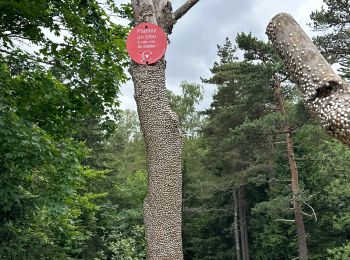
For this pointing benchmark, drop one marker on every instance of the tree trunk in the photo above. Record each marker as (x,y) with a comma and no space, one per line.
(302,246)
(235,224)
(271,171)
(326,95)
(243,223)
(163,138)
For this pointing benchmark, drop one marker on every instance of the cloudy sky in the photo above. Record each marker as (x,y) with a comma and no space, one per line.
(193,47)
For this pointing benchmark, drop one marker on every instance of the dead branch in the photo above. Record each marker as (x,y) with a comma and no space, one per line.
(182,10)
(289,221)
(313,211)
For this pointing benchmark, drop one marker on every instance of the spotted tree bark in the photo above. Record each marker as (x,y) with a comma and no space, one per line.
(163,138)
(326,95)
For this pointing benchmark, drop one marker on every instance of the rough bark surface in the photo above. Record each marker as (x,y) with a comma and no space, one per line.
(163,138)
(326,95)
(302,246)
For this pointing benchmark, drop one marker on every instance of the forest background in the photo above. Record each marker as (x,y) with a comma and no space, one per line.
(72,163)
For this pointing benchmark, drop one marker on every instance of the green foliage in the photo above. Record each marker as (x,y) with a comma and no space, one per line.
(184,106)
(242,144)
(134,190)
(56,92)
(40,173)
(340,253)
(235,137)
(226,52)
(77,42)
(73,167)
(120,227)
(333,21)
(117,231)
(40,202)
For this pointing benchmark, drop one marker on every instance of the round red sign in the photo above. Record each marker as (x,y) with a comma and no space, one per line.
(146,43)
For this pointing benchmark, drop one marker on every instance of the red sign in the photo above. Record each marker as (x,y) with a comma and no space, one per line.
(146,43)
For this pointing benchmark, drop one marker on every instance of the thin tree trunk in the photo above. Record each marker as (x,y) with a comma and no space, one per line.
(302,246)
(326,95)
(163,138)
(235,224)
(271,172)
(243,223)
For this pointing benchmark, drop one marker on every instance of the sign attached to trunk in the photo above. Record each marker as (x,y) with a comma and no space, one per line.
(146,43)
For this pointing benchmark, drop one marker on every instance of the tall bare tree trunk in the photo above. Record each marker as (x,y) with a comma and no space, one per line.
(302,246)
(235,224)
(163,138)
(243,223)
(325,93)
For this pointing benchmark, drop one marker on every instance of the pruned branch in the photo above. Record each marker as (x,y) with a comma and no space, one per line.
(281,142)
(275,179)
(306,214)
(203,210)
(289,221)
(182,10)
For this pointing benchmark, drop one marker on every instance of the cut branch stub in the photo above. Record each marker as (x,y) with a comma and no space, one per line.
(184,8)
(326,95)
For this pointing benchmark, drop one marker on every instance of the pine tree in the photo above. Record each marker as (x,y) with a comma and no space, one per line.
(333,21)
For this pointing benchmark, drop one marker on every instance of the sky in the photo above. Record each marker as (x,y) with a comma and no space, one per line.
(193,43)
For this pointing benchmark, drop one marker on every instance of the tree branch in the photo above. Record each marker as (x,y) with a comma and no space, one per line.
(5,51)
(325,94)
(281,142)
(182,10)
(202,210)
(313,211)
(285,220)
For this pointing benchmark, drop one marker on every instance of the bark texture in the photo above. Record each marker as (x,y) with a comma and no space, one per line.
(326,95)
(302,246)
(184,8)
(163,138)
